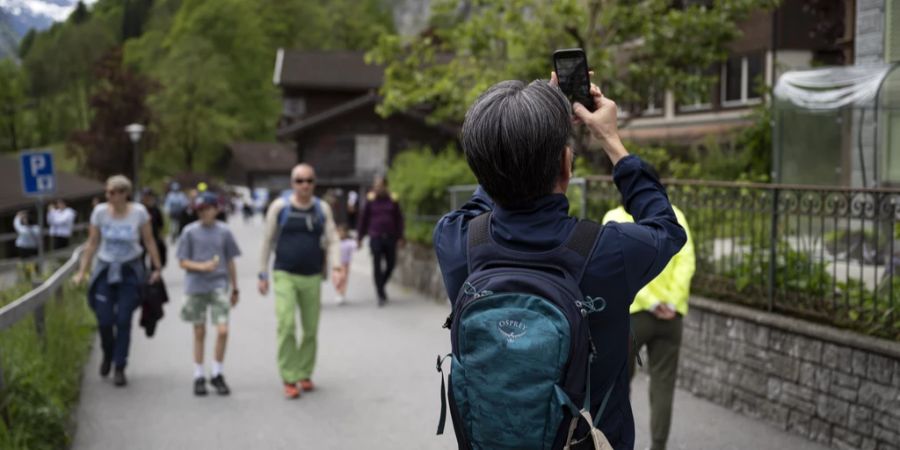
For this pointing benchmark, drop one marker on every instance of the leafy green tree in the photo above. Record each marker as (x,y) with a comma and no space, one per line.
(332,25)
(193,126)
(12,105)
(26,43)
(80,14)
(635,47)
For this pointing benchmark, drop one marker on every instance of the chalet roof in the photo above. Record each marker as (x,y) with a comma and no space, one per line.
(68,186)
(263,156)
(339,70)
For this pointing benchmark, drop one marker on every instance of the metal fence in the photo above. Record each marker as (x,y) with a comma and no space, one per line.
(823,253)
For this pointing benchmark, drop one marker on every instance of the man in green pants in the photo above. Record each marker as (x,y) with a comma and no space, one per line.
(301,229)
(656,320)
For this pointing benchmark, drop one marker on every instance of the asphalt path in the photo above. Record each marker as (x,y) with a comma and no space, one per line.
(377,387)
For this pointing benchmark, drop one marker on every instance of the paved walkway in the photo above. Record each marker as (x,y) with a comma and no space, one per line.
(377,387)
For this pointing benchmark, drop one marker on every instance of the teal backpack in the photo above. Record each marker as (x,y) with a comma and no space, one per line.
(521,348)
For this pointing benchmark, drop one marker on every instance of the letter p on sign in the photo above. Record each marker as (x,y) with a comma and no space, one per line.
(38,177)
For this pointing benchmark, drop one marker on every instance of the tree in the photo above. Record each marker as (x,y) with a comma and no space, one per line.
(332,25)
(12,105)
(120,99)
(26,43)
(194,125)
(80,14)
(635,47)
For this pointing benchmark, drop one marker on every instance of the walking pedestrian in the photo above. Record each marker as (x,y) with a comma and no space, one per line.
(117,228)
(515,236)
(382,220)
(61,220)
(656,317)
(206,250)
(300,229)
(174,205)
(157,223)
(27,235)
(348,246)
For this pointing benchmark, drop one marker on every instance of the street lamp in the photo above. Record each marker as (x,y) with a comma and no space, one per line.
(134,133)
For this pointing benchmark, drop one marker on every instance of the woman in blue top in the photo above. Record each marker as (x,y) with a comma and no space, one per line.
(116,229)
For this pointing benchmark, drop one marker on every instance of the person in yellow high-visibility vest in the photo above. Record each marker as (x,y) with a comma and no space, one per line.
(656,319)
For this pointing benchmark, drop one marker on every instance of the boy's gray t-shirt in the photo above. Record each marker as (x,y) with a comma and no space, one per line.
(200,243)
(120,236)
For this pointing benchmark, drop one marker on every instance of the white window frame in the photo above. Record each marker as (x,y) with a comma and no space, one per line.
(745,85)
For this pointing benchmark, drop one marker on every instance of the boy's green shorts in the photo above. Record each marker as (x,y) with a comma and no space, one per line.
(195,306)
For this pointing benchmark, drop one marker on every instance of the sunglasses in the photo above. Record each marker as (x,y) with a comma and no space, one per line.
(114,191)
(304,180)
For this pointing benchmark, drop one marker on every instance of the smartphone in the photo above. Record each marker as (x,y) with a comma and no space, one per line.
(571,68)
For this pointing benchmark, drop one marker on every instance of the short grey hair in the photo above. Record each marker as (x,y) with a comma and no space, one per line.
(119,182)
(514,137)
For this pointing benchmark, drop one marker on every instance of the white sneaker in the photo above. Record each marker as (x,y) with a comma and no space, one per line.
(340,300)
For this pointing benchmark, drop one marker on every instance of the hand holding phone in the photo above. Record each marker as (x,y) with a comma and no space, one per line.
(574,80)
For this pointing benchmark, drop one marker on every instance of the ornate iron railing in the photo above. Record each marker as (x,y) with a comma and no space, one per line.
(824,253)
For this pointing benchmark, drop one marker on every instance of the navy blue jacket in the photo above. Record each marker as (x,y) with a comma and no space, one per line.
(627,256)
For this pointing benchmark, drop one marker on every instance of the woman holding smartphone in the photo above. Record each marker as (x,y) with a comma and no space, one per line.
(116,229)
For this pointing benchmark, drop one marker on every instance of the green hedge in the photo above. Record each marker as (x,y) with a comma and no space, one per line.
(419,179)
(42,384)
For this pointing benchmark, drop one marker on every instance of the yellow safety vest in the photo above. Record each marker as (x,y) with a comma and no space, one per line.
(673,284)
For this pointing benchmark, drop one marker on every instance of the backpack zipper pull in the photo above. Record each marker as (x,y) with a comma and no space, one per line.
(448,322)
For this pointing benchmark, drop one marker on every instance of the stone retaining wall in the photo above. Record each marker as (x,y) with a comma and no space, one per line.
(832,386)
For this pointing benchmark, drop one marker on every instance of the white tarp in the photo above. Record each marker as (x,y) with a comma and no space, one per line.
(831,87)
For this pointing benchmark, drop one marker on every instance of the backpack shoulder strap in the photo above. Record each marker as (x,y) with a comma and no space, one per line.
(285,211)
(317,207)
(582,241)
(478,234)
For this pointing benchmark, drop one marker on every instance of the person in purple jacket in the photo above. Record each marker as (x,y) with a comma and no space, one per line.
(382,220)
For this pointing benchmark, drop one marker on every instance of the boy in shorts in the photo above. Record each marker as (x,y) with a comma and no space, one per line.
(206,250)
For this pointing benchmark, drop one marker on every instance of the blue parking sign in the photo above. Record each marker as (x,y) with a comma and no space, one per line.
(37,173)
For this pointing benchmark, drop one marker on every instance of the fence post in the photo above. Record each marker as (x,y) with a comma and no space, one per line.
(40,324)
(773,248)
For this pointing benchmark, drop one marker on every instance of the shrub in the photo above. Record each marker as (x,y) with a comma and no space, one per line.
(43,379)
(420,179)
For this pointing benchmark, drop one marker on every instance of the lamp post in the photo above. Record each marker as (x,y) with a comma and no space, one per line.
(134,133)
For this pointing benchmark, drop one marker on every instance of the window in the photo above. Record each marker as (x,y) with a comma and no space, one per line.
(294,106)
(755,76)
(731,79)
(656,103)
(741,78)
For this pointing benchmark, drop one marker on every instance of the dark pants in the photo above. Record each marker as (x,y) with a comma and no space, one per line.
(26,252)
(383,248)
(60,242)
(114,305)
(663,340)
